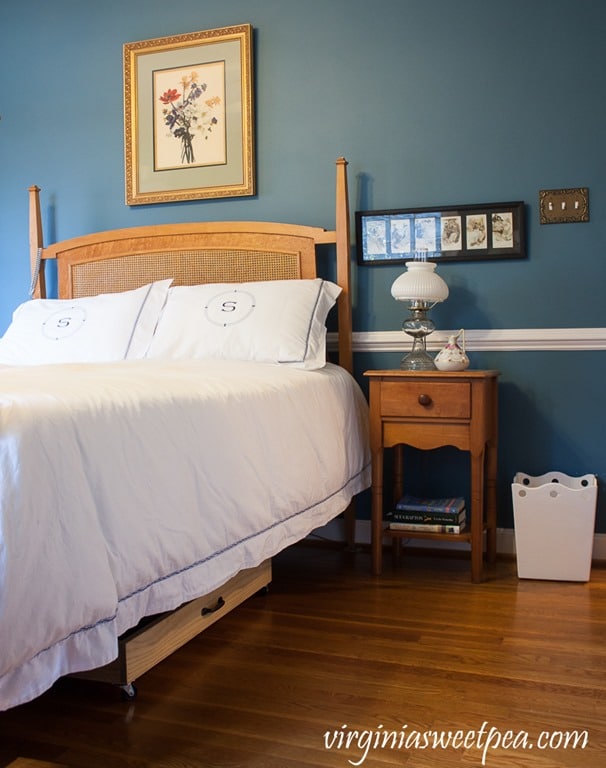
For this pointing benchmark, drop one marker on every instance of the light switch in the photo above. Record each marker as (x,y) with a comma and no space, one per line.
(563,206)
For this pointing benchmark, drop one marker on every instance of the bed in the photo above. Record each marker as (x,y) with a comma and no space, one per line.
(160,421)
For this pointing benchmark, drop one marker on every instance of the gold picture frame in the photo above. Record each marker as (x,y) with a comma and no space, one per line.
(188,116)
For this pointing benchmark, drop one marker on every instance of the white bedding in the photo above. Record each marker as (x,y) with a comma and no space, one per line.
(128,488)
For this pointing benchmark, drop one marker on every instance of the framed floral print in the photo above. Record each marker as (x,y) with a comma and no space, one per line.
(188,116)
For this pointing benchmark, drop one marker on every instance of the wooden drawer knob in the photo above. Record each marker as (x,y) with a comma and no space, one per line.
(424,400)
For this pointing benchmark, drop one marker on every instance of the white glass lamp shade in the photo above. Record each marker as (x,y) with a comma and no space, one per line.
(420,283)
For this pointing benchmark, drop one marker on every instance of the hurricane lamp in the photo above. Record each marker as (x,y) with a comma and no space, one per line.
(421,288)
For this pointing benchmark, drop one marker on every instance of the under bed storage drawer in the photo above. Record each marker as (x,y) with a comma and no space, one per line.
(156,638)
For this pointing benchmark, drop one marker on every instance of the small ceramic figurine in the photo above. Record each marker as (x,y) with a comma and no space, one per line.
(452,357)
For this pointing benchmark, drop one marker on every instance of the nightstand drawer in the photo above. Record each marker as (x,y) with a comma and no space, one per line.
(426,399)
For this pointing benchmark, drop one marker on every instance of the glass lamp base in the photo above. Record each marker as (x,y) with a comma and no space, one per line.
(418,326)
(418,360)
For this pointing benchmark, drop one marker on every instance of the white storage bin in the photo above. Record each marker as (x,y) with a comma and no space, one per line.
(554,522)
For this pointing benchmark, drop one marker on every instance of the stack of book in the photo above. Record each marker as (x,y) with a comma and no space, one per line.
(428,515)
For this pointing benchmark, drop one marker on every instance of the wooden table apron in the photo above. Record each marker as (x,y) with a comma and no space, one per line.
(431,409)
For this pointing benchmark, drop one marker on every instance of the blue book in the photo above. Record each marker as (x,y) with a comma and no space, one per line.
(448,506)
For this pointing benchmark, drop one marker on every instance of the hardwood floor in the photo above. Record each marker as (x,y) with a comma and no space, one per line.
(332,650)
(24,762)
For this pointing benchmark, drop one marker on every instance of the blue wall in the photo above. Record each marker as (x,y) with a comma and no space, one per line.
(432,102)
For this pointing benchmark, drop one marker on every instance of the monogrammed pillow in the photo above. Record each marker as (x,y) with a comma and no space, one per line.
(103,328)
(275,321)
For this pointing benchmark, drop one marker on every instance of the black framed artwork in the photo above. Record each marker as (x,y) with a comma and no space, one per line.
(448,233)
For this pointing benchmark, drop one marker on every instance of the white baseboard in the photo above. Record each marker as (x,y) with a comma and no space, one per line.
(335,531)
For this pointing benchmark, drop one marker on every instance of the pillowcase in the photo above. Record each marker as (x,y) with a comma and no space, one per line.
(274,321)
(103,328)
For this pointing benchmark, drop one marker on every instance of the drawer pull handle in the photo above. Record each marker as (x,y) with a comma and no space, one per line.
(424,400)
(217,607)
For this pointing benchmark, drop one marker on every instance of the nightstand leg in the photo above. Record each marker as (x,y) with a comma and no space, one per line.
(477,516)
(398,473)
(491,503)
(376,523)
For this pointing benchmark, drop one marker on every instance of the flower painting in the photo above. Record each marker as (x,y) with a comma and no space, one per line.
(189,117)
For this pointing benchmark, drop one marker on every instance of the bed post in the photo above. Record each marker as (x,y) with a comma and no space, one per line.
(344,310)
(344,268)
(36,243)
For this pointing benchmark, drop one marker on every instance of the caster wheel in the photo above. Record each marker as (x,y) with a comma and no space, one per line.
(128,692)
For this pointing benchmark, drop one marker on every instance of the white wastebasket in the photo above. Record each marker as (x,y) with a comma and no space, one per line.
(554,522)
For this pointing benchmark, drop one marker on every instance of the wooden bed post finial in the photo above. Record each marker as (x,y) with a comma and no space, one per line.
(36,245)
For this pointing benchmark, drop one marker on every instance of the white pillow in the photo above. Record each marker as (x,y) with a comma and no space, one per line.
(275,321)
(103,328)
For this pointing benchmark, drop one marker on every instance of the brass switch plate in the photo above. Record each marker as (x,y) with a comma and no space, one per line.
(563,206)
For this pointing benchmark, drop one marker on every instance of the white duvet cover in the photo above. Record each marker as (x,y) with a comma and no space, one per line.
(128,488)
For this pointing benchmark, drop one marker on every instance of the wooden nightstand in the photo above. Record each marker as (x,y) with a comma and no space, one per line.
(431,409)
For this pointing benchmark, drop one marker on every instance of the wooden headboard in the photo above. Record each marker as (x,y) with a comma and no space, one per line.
(210,252)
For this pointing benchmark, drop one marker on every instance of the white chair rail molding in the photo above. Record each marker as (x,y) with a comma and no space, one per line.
(487,340)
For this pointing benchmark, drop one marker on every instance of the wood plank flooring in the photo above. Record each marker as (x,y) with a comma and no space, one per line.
(336,668)
(24,762)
